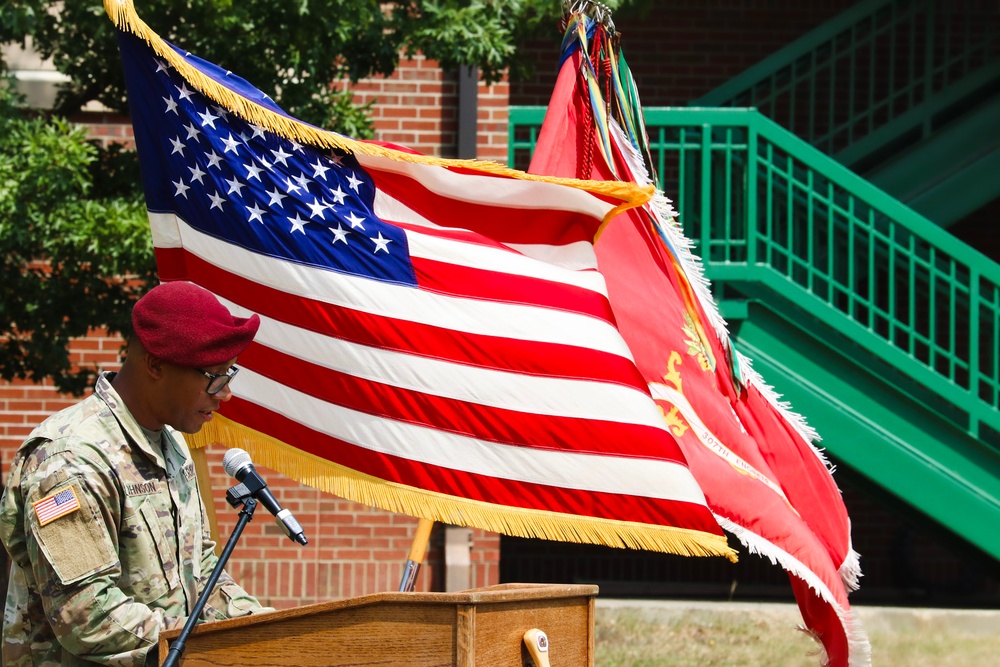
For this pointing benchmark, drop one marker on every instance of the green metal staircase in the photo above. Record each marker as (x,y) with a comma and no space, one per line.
(878,326)
(904,92)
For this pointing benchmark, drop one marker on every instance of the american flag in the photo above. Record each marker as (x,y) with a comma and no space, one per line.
(59,504)
(435,340)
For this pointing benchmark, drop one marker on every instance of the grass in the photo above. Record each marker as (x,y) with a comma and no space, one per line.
(766,636)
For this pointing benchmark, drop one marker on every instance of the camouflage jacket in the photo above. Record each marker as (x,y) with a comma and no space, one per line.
(108,539)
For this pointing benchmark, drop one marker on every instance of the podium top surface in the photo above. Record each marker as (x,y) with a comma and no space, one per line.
(489,595)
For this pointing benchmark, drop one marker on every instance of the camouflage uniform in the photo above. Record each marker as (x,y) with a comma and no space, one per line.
(96,585)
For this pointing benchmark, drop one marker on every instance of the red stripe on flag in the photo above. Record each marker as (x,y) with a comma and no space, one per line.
(452,234)
(511,223)
(477,284)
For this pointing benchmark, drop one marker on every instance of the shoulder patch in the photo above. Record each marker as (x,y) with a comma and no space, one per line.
(57,505)
(78,544)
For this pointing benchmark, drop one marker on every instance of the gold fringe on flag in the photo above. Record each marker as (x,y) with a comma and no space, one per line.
(124,16)
(324,475)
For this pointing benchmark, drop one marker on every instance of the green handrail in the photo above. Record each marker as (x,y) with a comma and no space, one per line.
(764,207)
(882,72)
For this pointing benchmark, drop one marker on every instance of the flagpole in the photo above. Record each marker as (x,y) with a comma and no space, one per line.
(417,551)
(200,458)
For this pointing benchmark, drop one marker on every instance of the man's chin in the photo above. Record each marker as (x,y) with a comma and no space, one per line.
(191,427)
(194,424)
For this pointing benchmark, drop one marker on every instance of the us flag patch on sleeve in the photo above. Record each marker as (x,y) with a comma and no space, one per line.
(59,504)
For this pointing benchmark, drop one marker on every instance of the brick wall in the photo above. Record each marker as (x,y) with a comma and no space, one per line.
(353,549)
(417,107)
(684,49)
(108,128)
(23,404)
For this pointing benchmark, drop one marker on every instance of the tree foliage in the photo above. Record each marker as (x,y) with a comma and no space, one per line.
(71,261)
(294,49)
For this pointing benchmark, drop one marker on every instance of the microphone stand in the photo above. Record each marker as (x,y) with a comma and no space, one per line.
(234,496)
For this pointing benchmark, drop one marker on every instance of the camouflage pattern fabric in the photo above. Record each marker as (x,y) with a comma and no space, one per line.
(128,552)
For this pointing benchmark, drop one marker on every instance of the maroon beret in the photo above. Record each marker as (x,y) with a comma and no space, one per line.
(186,325)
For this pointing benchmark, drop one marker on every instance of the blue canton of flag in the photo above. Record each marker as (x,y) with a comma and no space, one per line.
(233,180)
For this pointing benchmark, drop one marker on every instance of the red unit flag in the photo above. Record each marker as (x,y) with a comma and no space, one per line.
(762,477)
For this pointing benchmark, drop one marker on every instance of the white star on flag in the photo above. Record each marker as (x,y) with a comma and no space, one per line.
(339,234)
(354,182)
(355,221)
(234,186)
(196,174)
(275,198)
(381,243)
(338,195)
(319,169)
(231,144)
(255,213)
(298,224)
(281,156)
(207,118)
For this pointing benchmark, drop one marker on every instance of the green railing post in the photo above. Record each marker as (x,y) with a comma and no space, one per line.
(706,189)
(750,193)
(973,342)
(928,65)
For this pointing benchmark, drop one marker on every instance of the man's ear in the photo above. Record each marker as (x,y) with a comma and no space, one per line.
(154,366)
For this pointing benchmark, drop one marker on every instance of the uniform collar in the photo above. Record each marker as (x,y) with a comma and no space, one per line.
(129,425)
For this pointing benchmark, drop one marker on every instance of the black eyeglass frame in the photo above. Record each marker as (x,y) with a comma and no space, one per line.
(214,378)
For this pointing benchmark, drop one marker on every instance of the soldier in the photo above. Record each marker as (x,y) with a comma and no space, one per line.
(102,518)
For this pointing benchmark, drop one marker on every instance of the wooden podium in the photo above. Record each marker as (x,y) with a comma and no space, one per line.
(482,627)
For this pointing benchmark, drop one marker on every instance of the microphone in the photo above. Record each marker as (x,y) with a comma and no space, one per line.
(237,464)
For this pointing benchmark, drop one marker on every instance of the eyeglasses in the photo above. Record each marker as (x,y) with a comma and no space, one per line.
(217,381)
